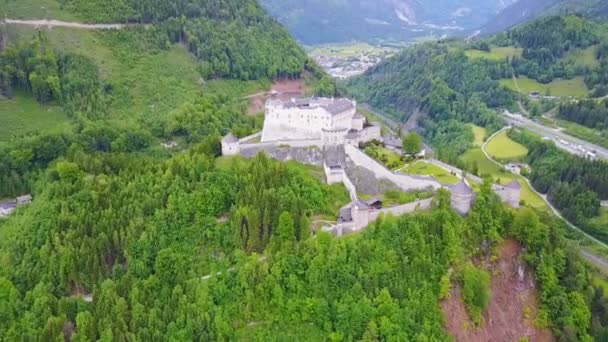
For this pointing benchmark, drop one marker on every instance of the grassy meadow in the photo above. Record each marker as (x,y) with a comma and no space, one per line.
(488,168)
(560,87)
(503,148)
(24,114)
(480,134)
(423,168)
(496,54)
(34,9)
(146,82)
(584,57)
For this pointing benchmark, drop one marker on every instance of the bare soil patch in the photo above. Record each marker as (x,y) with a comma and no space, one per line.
(285,89)
(513,305)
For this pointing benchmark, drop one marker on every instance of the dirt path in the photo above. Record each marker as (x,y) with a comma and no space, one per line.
(59,23)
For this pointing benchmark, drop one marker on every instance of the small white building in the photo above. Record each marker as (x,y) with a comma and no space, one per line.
(230,145)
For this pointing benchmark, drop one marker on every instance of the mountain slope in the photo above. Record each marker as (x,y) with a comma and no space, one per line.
(314,21)
(525,11)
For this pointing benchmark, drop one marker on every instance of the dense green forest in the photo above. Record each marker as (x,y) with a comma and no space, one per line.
(573,184)
(546,41)
(185,245)
(590,113)
(442,82)
(141,234)
(454,82)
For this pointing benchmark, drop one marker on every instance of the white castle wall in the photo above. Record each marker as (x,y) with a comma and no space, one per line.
(405,182)
(294,123)
(507,195)
(403,209)
(230,149)
(370,133)
(461,203)
(333,176)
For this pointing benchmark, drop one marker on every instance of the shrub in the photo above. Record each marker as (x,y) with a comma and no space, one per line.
(476,291)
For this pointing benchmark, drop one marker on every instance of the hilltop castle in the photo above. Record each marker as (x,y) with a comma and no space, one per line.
(332,121)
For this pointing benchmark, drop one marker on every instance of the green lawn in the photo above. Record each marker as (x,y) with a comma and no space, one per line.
(480,134)
(498,53)
(385,156)
(487,167)
(575,87)
(24,114)
(503,148)
(423,168)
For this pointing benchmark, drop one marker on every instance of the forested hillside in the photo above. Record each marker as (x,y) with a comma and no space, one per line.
(442,82)
(455,82)
(139,230)
(318,22)
(522,12)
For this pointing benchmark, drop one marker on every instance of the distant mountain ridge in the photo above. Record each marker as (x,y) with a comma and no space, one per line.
(316,22)
(524,11)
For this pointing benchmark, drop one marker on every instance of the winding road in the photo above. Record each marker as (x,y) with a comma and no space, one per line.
(597,261)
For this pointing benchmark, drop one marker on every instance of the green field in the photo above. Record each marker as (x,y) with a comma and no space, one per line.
(385,156)
(601,220)
(34,9)
(575,87)
(503,148)
(146,82)
(487,167)
(423,168)
(584,57)
(23,114)
(498,53)
(480,134)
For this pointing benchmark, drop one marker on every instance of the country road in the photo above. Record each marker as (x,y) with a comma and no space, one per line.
(562,140)
(58,23)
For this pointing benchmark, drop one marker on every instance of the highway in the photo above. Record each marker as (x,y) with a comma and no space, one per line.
(562,140)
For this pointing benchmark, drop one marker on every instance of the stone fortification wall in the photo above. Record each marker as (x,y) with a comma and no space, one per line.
(408,208)
(405,182)
(249,138)
(462,204)
(509,196)
(370,133)
(363,219)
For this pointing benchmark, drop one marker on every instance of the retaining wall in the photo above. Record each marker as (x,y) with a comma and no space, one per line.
(405,182)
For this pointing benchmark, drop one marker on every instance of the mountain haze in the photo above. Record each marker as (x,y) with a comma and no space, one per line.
(314,21)
(524,11)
